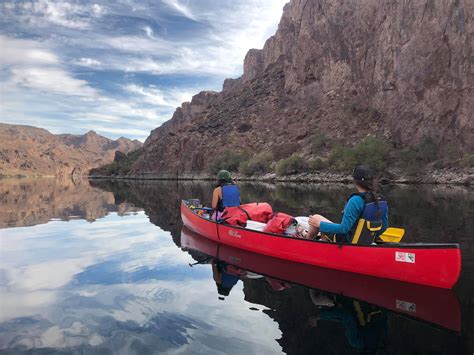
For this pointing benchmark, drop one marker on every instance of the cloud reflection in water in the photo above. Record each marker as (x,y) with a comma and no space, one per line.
(118,284)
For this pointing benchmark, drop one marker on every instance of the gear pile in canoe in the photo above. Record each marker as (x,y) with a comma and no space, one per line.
(430,264)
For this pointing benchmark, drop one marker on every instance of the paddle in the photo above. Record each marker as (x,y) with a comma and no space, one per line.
(393,235)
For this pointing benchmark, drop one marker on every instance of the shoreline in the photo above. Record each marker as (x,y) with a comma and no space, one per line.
(449,178)
(432,178)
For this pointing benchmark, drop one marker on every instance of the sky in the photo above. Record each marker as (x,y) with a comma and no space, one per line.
(121,67)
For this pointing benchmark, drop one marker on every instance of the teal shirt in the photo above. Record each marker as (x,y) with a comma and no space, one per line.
(352,212)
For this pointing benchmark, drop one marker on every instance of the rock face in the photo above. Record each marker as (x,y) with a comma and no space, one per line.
(30,151)
(396,69)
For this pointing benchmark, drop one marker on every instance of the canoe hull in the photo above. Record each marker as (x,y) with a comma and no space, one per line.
(417,301)
(436,265)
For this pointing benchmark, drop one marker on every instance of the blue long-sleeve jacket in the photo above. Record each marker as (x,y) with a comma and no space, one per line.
(352,211)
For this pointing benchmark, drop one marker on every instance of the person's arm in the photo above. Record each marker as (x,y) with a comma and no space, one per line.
(215,197)
(352,212)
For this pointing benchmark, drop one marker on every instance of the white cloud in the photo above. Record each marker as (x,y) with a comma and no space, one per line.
(149,31)
(181,8)
(136,44)
(62,13)
(21,51)
(220,51)
(169,98)
(87,62)
(51,80)
(29,65)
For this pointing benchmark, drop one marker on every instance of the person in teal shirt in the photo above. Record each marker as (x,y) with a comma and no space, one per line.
(354,209)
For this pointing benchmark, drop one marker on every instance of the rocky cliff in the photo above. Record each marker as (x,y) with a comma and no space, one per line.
(26,150)
(401,70)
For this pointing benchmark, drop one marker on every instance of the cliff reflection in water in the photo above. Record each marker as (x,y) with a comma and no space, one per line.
(429,213)
(120,284)
(27,202)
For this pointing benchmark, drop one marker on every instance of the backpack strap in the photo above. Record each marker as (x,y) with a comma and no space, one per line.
(246,213)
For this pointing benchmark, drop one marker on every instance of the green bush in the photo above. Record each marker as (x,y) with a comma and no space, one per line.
(118,167)
(285,150)
(359,108)
(317,164)
(229,160)
(467,161)
(414,159)
(292,165)
(257,165)
(371,151)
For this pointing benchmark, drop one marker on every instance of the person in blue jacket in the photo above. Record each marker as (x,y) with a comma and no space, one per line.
(366,204)
(226,194)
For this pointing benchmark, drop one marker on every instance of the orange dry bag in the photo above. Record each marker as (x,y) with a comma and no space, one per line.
(235,216)
(258,211)
(279,223)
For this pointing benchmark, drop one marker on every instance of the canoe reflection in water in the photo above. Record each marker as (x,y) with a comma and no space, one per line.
(226,276)
(359,302)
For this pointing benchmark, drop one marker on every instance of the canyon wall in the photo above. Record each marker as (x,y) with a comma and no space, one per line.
(396,69)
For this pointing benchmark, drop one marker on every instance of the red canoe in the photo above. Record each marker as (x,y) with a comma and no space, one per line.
(415,301)
(437,265)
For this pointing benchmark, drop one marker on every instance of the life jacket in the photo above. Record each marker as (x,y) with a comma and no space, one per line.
(279,223)
(230,197)
(368,227)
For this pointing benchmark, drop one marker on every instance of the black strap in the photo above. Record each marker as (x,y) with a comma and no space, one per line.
(246,213)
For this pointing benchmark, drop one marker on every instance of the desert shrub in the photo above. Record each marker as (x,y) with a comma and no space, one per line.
(415,158)
(259,164)
(285,150)
(371,151)
(467,161)
(359,108)
(292,165)
(318,142)
(121,166)
(229,160)
(354,107)
(317,164)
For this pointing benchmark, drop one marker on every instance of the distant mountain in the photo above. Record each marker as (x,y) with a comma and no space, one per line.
(31,151)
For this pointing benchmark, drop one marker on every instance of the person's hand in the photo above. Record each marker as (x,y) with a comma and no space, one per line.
(315,221)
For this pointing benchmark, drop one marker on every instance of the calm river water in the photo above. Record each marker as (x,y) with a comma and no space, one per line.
(104,268)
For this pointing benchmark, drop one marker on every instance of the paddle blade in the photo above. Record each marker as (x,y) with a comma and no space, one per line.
(393,235)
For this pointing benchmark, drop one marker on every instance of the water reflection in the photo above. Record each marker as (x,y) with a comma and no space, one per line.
(120,284)
(117,285)
(27,202)
(230,264)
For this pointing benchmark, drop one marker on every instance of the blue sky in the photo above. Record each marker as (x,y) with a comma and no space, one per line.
(121,67)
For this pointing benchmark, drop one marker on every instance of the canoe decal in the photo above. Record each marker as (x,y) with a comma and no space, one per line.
(405,306)
(234,233)
(405,257)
